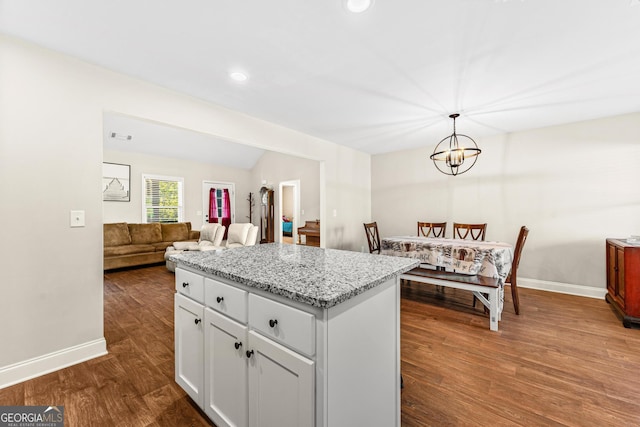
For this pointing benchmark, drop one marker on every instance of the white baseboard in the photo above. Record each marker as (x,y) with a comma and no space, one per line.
(22,371)
(563,288)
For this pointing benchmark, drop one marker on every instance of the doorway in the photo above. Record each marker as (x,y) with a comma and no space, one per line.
(219,203)
(289,204)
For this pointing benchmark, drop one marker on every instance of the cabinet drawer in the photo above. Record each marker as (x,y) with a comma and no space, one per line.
(226,299)
(190,284)
(282,323)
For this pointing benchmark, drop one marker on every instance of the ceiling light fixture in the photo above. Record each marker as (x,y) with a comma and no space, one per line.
(358,6)
(457,158)
(238,76)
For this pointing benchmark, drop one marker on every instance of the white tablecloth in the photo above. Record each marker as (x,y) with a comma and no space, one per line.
(490,259)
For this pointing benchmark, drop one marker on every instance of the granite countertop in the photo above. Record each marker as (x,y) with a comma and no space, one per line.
(314,276)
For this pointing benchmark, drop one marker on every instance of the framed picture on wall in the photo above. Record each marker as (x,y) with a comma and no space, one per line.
(116,182)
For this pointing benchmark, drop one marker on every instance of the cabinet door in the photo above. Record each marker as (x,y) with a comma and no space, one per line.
(620,279)
(612,269)
(281,385)
(189,342)
(225,370)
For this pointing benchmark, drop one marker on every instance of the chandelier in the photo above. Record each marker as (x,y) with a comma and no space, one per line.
(456,153)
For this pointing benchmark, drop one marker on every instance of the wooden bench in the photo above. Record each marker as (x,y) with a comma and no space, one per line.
(479,285)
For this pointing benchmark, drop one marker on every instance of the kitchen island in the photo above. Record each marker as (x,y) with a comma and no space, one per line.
(289,335)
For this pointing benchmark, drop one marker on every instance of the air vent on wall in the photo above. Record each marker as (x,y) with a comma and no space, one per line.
(121,136)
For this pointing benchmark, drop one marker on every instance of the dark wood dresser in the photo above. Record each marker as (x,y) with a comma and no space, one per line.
(311,231)
(623,280)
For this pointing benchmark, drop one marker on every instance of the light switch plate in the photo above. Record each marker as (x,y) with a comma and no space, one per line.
(76,218)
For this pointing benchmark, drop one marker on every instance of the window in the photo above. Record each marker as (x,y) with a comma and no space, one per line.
(162,200)
(219,202)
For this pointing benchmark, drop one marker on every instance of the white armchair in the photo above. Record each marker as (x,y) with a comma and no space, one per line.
(210,240)
(242,234)
(211,235)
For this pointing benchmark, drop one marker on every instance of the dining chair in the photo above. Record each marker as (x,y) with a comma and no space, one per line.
(432,229)
(512,278)
(373,237)
(472,231)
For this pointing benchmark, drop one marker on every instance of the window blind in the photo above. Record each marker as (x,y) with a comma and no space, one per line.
(163,199)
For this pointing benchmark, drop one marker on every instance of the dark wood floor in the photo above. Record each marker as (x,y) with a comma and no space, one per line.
(565,361)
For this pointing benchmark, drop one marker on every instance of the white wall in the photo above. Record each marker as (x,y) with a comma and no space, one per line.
(287,200)
(194,174)
(573,185)
(275,168)
(271,166)
(51,110)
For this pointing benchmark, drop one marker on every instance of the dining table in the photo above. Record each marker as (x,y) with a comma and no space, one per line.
(479,266)
(490,259)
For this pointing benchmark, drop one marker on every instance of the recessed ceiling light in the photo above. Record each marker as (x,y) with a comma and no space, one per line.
(358,6)
(238,76)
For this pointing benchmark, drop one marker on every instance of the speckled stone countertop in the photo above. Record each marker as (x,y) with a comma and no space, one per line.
(314,276)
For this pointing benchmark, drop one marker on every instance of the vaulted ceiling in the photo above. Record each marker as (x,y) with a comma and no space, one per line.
(382,80)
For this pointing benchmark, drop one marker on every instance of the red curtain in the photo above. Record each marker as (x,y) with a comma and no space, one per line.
(225,219)
(226,211)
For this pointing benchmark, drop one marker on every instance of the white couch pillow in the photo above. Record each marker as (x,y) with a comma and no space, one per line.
(238,233)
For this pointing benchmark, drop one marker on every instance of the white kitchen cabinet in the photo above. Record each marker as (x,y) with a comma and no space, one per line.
(225,370)
(190,284)
(281,385)
(268,360)
(225,299)
(189,346)
(255,382)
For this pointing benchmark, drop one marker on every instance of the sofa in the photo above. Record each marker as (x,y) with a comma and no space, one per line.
(211,239)
(128,245)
